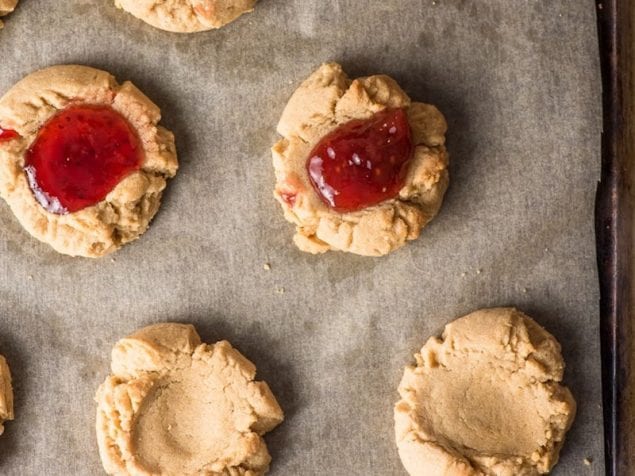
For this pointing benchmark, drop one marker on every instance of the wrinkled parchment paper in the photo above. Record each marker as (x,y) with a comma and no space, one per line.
(519,83)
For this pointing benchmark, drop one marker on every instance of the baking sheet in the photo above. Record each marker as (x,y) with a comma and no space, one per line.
(519,82)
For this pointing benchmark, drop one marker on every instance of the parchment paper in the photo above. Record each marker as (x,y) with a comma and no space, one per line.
(519,83)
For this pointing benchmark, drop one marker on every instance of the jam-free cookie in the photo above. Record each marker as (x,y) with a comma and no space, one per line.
(186,16)
(6,394)
(173,405)
(6,7)
(361,168)
(83,161)
(485,399)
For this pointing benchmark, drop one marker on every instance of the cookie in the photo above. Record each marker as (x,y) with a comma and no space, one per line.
(6,7)
(360,168)
(6,394)
(83,161)
(187,16)
(485,399)
(175,406)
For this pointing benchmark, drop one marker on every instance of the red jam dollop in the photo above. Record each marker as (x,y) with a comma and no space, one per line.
(362,162)
(79,156)
(7,134)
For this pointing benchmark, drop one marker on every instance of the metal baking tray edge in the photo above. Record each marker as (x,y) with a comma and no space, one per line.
(614,232)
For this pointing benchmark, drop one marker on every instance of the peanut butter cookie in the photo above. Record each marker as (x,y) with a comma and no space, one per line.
(175,406)
(6,7)
(186,16)
(6,394)
(486,399)
(361,168)
(83,161)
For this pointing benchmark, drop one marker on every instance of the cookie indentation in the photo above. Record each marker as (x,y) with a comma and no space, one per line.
(175,406)
(484,399)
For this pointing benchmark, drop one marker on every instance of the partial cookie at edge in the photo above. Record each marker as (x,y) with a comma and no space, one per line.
(324,101)
(181,16)
(6,394)
(6,7)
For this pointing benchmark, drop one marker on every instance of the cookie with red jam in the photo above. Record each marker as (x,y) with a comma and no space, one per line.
(83,161)
(360,168)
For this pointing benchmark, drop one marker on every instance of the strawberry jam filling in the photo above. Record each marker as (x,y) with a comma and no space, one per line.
(362,162)
(7,134)
(79,156)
